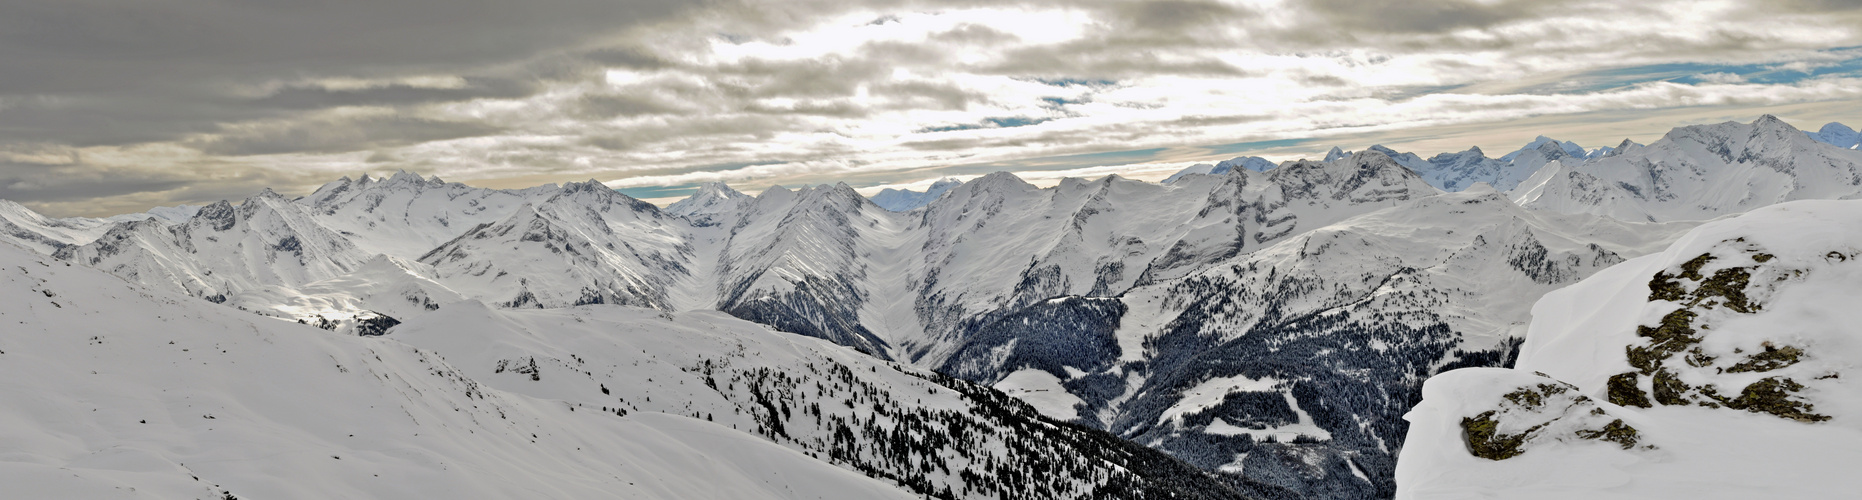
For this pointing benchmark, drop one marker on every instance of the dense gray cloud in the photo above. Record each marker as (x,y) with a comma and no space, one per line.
(337,135)
(111,72)
(1427,17)
(317,97)
(166,101)
(89,46)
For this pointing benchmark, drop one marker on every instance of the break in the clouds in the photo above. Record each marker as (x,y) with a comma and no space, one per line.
(109,106)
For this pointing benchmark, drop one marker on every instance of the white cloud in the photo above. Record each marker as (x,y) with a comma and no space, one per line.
(760,94)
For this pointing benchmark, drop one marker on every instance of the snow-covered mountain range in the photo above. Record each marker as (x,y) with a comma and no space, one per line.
(1266,325)
(1700,172)
(1449,171)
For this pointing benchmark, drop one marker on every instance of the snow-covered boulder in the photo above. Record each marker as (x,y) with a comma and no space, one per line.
(1714,369)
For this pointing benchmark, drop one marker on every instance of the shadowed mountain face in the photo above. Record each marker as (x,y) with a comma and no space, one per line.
(1271,326)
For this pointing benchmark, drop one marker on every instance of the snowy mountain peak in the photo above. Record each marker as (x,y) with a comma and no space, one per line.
(1738,142)
(1769,121)
(717,190)
(1335,154)
(998,181)
(403,177)
(1197,169)
(588,186)
(218,215)
(943,185)
(1540,145)
(710,204)
(775,192)
(1839,135)
(1254,163)
(1552,150)
(1620,148)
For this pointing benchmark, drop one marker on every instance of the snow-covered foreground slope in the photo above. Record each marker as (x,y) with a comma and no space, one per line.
(1719,368)
(1698,173)
(112,391)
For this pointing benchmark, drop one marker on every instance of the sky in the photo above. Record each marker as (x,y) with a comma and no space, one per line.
(116,106)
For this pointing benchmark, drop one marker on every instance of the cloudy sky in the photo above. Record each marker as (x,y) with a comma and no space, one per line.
(111,106)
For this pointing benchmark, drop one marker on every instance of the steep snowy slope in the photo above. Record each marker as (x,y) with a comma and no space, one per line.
(22,226)
(799,261)
(900,200)
(224,250)
(116,392)
(406,215)
(586,244)
(1292,365)
(1698,173)
(1718,368)
(1103,237)
(1839,135)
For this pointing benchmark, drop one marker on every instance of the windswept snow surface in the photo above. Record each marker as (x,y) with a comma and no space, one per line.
(113,391)
(1729,355)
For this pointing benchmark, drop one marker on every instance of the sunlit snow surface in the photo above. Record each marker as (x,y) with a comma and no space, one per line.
(115,392)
